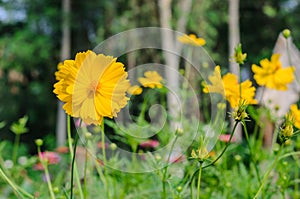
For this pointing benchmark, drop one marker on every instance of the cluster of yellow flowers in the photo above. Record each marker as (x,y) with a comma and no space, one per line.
(230,88)
(152,79)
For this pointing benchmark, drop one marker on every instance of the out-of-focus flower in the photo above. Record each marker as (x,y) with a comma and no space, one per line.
(226,138)
(296,114)
(62,149)
(229,87)
(49,157)
(135,90)
(217,85)
(92,86)
(152,79)
(22,160)
(272,75)
(149,144)
(191,39)
(8,164)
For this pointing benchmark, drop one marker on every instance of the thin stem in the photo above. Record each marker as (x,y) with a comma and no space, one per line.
(104,156)
(47,175)
(73,164)
(143,109)
(199,181)
(103,143)
(19,191)
(85,172)
(164,193)
(226,146)
(16,148)
(192,184)
(268,173)
(296,185)
(240,80)
(72,157)
(250,151)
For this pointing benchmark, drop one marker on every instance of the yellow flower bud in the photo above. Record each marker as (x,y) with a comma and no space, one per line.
(239,56)
(239,112)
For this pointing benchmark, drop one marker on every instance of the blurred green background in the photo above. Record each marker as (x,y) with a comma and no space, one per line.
(31,42)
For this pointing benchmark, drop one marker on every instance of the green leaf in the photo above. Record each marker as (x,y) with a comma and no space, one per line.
(20,126)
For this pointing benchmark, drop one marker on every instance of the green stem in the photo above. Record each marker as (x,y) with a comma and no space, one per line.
(85,172)
(47,175)
(225,148)
(199,181)
(103,143)
(251,152)
(240,80)
(16,148)
(164,193)
(73,164)
(268,173)
(19,191)
(143,110)
(296,185)
(192,185)
(104,156)
(75,171)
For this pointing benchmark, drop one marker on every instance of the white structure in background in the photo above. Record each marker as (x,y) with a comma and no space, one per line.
(281,100)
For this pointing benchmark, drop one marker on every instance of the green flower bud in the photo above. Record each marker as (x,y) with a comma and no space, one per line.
(286,33)
(179,132)
(113,146)
(88,135)
(39,142)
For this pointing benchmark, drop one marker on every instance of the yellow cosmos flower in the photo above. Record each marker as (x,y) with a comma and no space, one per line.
(191,39)
(152,80)
(296,114)
(229,87)
(272,75)
(92,86)
(135,90)
(217,85)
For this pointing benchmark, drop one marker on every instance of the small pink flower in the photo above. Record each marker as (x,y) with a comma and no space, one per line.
(50,157)
(225,138)
(149,143)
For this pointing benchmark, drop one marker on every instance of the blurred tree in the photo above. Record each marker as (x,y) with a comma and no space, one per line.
(61,120)
(28,54)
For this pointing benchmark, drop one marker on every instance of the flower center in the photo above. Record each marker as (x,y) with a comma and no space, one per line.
(94,85)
